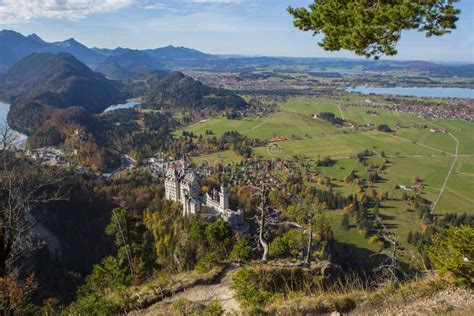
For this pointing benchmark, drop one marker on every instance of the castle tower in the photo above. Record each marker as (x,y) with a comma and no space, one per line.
(184,162)
(172,187)
(223,198)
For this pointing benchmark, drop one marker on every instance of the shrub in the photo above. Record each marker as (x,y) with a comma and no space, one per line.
(241,251)
(246,290)
(290,244)
(93,304)
(207,261)
(344,305)
(213,309)
(452,254)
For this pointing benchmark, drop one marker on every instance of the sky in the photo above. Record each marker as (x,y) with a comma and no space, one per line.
(245,27)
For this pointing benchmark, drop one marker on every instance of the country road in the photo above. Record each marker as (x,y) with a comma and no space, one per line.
(435,204)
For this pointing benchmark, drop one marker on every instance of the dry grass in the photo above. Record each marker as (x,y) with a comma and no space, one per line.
(430,295)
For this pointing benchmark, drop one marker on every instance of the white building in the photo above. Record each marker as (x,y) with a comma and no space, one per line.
(182,185)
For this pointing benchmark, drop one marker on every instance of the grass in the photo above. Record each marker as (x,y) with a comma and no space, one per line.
(463,131)
(465,165)
(413,297)
(391,118)
(412,150)
(223,157)
(276,124)
(345,144)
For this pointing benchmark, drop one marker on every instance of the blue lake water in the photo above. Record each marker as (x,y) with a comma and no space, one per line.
(463,93)
(21,138)
(4,108)
(122,106)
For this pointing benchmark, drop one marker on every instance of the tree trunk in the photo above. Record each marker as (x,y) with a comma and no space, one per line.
(262,241)
(3,255)
(310,246)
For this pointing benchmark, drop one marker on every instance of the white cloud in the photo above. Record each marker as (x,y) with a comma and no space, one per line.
(17,11)
(20,11)
(219,1)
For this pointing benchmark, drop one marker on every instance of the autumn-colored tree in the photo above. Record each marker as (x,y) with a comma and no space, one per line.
(14,293)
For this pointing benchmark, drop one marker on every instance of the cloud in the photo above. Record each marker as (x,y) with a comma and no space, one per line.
(18,11)
(218,1)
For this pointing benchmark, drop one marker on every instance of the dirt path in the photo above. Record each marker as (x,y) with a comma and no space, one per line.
(204,294)
(340,111)
(435,204)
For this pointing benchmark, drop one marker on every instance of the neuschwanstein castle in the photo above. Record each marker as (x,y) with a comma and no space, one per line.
(182,184)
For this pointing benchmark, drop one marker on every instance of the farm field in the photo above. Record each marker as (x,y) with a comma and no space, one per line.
(223,157)
(277,124)
(412,151)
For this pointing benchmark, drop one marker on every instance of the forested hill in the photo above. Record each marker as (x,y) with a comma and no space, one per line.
(54,95)
(129,64)
(58,80)
(178,90)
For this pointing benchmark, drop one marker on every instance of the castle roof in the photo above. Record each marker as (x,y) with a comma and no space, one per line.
(190,177)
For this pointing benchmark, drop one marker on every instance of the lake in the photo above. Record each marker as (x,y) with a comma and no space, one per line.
(4,108)
(122,106)
(463,93)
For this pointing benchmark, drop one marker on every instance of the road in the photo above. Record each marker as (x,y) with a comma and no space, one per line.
(443,187)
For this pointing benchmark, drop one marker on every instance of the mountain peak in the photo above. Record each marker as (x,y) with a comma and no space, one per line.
(11,34)
(35,37)
(70,42)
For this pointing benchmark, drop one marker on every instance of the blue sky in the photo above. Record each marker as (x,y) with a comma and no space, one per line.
(249,27)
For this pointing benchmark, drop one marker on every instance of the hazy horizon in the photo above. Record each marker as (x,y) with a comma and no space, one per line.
(223,27)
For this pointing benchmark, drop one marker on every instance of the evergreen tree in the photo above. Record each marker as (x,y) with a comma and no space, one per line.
(373,28)
(345,221)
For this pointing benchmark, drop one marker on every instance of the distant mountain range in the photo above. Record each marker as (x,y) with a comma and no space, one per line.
(15,46)
(128,64)
(124,63)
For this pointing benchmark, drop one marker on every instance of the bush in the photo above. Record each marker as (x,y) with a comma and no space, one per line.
(93,304)
(207,261)
(243,282)
(384,128)
(241,251)
(219,237)
(93,297)
(213,309)
(290,244)
(344,305)
(452,254)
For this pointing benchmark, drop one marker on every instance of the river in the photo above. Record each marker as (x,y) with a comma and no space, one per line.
(461,93)
(4,108)
(127,105)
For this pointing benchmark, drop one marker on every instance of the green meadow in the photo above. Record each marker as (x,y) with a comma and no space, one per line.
(412,151)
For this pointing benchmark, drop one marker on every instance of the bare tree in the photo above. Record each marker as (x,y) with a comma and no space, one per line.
(268,217)
(24,186)
(390,269)
(262,207)
(7,139)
